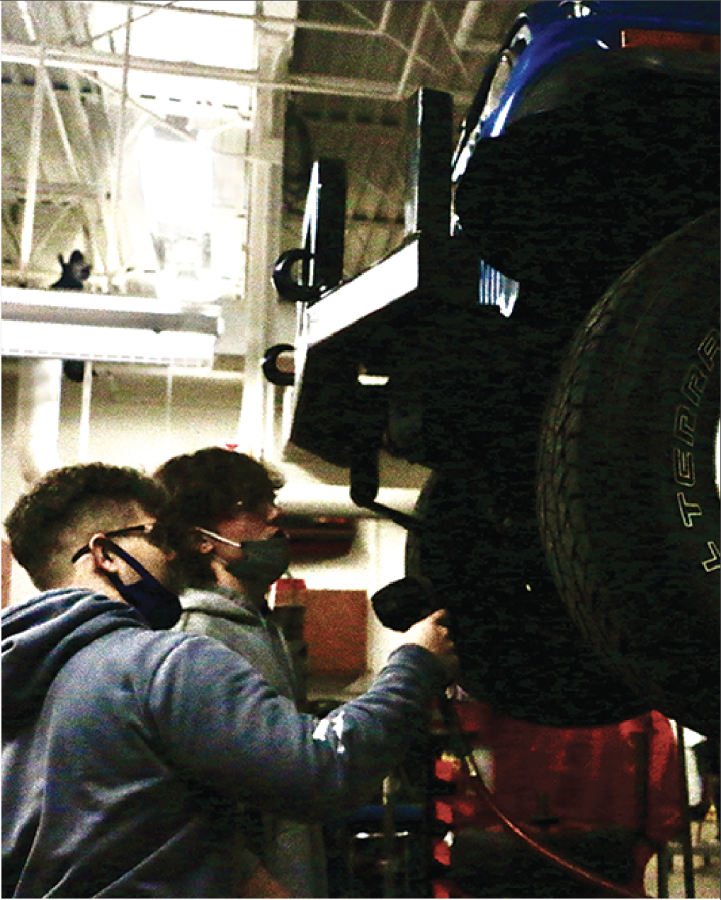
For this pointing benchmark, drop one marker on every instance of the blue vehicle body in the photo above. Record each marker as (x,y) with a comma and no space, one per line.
(556,54)
(558,35)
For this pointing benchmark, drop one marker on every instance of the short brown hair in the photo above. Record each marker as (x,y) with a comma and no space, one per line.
(64,508)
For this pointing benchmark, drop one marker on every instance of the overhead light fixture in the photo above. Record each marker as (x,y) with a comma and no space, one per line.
(176,178)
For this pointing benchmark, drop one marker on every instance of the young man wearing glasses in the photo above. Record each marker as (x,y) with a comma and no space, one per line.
(224,502)
(127,747)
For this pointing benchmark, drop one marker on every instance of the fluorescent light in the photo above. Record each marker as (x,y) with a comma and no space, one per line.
(137,345)
(373,380)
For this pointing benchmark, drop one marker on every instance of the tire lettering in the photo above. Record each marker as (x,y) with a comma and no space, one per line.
(688,510)
(685,425)
(708,348)
(683,469)
(684,429)
(714,563)
(694,385)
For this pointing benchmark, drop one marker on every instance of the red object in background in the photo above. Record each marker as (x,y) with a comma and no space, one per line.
(289,592)
(7,566)
(335,630)
(441,852)
(624,774)
(589,774)
(318,537)
(334,627)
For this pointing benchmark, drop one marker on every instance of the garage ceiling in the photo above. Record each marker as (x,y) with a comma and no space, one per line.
(392,49)
(190,68)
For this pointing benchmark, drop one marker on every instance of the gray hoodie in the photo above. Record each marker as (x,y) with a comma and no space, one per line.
(292,851)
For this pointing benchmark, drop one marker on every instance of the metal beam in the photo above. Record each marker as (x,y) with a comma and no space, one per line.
(449,42)
(33,163)
(115,242)
(71,58)
(100,262)
(57,192)
(463,39)
(69,153)
(107,310)
(413,54)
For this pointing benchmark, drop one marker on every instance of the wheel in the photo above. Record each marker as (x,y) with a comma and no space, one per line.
(519,650)
(628,502)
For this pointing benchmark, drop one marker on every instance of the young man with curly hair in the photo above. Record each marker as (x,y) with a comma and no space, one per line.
(224,502)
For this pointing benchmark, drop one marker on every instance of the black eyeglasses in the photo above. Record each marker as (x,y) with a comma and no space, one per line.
(262,507)
(156,533)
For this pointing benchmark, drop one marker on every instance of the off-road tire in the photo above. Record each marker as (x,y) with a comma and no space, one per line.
(628,502)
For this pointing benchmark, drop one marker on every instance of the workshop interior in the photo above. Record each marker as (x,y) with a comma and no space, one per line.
(451,268)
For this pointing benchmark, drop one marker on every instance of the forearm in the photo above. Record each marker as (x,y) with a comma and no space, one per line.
(241,737)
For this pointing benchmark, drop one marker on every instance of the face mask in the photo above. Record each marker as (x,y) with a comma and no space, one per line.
(158,605)
(263,562)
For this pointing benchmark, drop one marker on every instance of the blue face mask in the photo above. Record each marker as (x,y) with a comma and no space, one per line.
(158,605)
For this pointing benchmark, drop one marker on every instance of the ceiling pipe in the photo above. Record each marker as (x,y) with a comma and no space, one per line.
(37,418)
(115,243)
(33,163)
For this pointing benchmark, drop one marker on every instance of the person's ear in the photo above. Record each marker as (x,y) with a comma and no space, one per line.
(102,558)
(202,543)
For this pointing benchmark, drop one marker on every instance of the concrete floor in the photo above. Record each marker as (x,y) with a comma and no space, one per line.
(707,877)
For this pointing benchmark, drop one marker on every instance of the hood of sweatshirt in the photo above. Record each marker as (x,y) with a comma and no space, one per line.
(39,636)
(221,601)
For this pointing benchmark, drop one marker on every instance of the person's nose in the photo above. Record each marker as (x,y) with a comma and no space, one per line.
(273,512)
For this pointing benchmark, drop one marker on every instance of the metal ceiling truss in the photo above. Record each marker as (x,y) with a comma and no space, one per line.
(56,41)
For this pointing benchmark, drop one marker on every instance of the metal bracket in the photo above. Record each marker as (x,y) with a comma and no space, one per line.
(321,255)
(364,484)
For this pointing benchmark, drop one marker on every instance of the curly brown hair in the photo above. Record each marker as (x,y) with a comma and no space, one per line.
(205,488)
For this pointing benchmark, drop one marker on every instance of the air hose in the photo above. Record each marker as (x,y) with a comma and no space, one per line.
(398,606)
(463,751)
